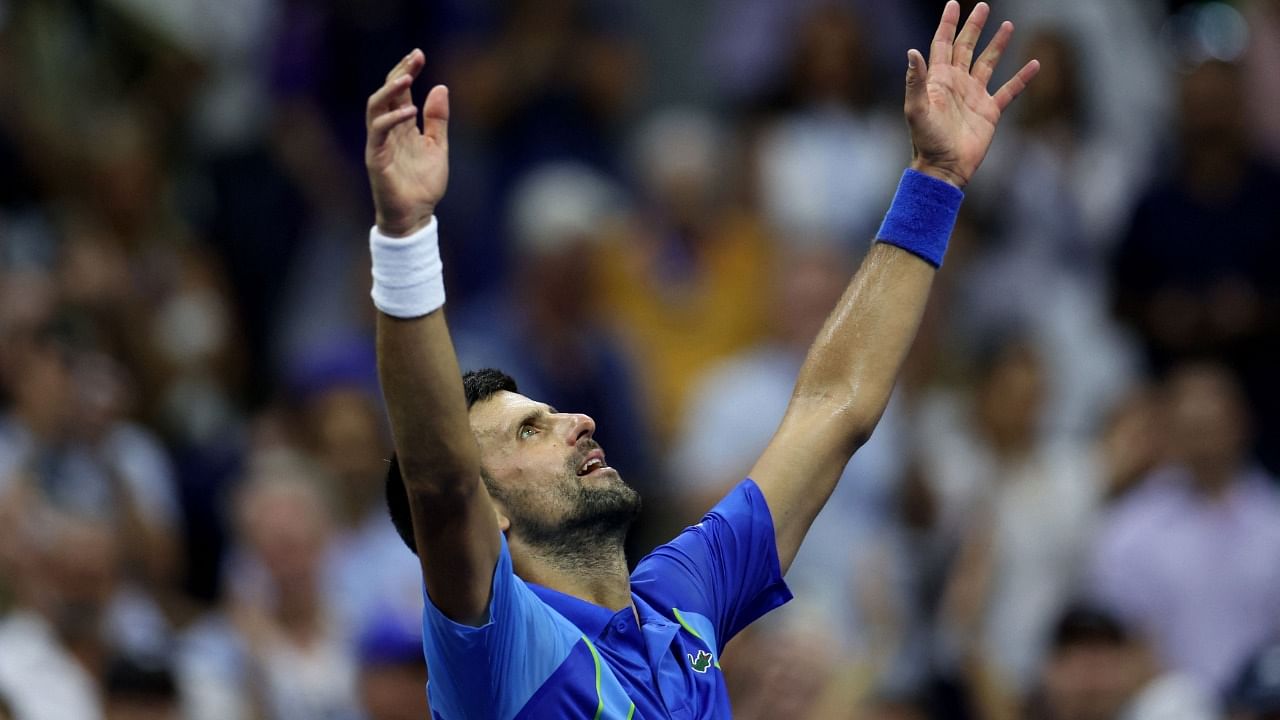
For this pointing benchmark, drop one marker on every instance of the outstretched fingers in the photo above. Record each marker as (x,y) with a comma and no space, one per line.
(940,50)
(1016,84)
(410,64)
(388,96)
(987,61)
(392,104)
(381,126)
(962,53)
(395,91)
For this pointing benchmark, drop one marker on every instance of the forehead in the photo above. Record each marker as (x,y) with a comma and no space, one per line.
(493,415)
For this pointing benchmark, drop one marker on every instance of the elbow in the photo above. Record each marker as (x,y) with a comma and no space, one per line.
(851,419)
(858,430)
(852,402)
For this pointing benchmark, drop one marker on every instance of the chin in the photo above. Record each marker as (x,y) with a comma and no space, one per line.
(609,498)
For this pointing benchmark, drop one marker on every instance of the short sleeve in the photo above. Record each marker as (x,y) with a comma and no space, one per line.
(725,568)
(491,671)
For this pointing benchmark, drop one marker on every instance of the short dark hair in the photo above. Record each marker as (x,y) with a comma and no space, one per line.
(477,385)
(140,679)
(1084,624)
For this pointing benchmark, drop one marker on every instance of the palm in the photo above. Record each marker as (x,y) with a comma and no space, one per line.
(959,124)
(951,115)
(408,168)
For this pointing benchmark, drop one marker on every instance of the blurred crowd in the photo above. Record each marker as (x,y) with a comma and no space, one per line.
(1070,510)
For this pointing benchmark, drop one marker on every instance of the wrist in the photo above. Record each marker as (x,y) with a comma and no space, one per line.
(393,226)
(408,276)
(940,173)
(922,215)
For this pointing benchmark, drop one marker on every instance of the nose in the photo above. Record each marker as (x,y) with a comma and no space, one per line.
(579,426)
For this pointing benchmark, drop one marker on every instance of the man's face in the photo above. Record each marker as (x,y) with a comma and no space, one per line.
(1206,418)
(547,474)
(1090,681)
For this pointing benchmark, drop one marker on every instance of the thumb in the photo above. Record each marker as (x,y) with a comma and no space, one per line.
(435,114)
(917,73)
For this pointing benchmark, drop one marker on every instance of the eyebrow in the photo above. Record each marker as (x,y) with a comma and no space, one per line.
(532,416)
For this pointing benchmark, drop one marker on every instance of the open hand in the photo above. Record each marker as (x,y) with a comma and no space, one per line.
(951,115)
(408,168)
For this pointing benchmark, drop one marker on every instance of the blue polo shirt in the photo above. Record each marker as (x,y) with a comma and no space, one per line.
(544,654)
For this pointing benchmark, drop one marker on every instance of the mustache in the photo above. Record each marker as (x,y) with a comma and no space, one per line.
(585,447)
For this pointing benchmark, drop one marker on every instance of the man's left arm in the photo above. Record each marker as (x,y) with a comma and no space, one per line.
(849,373)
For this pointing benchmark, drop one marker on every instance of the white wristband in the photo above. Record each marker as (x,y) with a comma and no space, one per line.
(408,277)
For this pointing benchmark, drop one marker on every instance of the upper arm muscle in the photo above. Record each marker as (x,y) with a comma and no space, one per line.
(453,519)
(458,545)
(798,469)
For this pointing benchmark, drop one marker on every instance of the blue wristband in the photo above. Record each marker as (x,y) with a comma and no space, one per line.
(921,217)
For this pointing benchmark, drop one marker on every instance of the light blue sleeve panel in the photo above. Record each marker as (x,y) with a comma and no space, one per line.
(725,568)
(490,672)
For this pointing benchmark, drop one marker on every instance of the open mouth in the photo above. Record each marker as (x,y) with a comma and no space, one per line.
(594,461)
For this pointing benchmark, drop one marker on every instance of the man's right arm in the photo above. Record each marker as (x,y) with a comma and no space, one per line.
(454,525)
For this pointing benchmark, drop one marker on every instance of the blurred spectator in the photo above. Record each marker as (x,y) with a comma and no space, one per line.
(1260,62)
(1019,503)
(1098,669)
(1255,695)
(1198,273)
(682,280)
(67,430)
(55,640)
(546,330)
(197,364)
(368,570)
(750,41)
(554,81)
(276,650)
(1128,112)
(1059,186)
(827,158)
(775,674)
(1192,556)
(393,672)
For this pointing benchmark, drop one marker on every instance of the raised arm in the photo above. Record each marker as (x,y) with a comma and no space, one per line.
(850,370)
(454,525)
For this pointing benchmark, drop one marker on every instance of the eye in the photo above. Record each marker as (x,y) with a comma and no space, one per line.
(526,432)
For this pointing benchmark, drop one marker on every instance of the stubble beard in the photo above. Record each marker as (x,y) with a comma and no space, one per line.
(596,525)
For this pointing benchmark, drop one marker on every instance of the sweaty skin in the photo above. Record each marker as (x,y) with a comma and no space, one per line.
(839,396)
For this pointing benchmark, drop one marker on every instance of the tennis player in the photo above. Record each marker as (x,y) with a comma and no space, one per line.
(511,504)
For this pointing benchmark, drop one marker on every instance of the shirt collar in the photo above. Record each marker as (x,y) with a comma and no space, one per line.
(590,618)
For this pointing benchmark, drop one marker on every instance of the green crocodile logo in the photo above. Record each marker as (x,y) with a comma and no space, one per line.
(700,663)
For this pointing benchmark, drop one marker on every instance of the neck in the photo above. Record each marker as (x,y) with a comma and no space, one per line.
(298,608)
(1010,445)
(594,570)
(1214,480)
